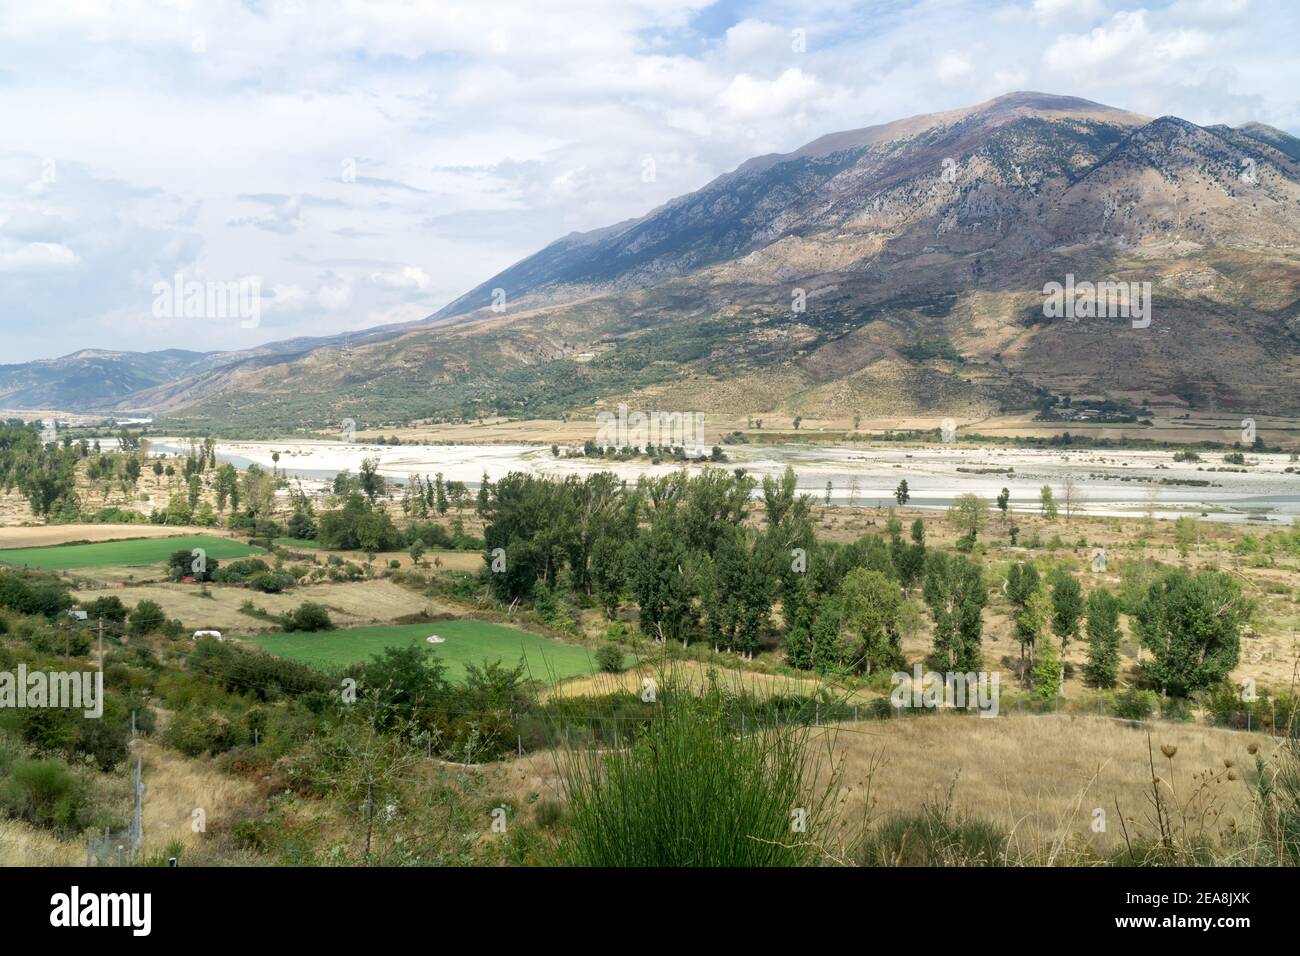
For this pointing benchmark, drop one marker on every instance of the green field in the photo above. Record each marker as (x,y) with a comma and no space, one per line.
(131,553)
(468,642)
(299,543)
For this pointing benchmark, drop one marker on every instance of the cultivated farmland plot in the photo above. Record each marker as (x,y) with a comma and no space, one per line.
(466,642)
(131,553)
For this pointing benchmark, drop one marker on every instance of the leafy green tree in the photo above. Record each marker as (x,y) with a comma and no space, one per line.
(147,617)
(1067,607)
(872,616)
(1032,617)
(665,583)
(969,514)
(226,484)
(737,588)
(1004,503)
(1047,663)
(1102,667)
(406,685)
(373,484)
(909,561)
(1047,503)
(901,493)
(1192,625)
(440,494)
(1187,533)
(609,573)
(955,594)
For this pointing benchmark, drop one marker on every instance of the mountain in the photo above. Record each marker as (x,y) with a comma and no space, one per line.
(91,378)
(99,380)
(891,270)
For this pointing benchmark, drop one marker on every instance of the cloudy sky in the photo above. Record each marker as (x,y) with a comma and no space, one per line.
(369,160)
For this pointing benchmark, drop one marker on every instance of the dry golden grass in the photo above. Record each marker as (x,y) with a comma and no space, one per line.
(176,786)
(1039,778)
(43,536)
(24,845)
(349,603)
(689,674)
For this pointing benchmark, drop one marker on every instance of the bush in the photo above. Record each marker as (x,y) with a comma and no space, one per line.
(271,582)
(609,657)
(146,618)
(308,616)
(690,792)
(109,608)
(45,793)
(1135,704)
(256,672)
(33,593)
(934,837)
(238,572)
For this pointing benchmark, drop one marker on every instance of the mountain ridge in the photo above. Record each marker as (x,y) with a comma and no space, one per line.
(940,228)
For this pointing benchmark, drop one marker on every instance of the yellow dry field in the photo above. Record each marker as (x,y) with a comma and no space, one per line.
(48,535)
(24,845)
(690,674)
(349,603)
(1040,778)
(176,786)
(431,561)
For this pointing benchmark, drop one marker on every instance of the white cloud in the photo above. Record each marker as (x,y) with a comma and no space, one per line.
(1054,10)
(749,39)
(328,147)
(954,66)
(410,277)
(749,98)
(38,257)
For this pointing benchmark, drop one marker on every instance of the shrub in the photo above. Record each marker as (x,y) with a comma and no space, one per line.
(934,837)
(308,616)
(609,657)
(194,734)
(256,672)
(238,572)
(1135,704)
(45,793)
(109,608)
(33,594)
(271,582)
(690,792)
(146,618)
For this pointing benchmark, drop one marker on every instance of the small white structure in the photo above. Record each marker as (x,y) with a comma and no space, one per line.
(214,634)
(435,639)
(77,614)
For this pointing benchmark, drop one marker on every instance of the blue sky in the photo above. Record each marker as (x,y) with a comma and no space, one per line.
(368,161)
